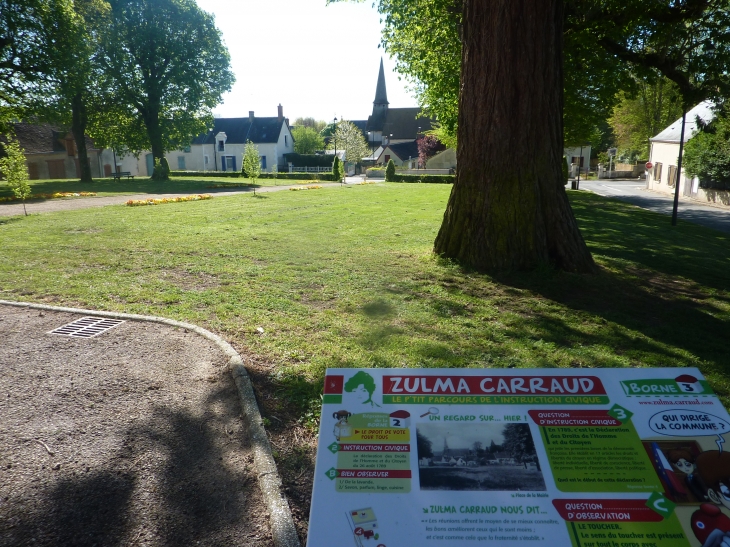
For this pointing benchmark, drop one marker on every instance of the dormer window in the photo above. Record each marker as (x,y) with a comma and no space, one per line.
(220,140)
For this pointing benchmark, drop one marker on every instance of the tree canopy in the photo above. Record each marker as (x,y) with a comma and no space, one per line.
(169,68)
(307,140)
(350,139)
(707,154)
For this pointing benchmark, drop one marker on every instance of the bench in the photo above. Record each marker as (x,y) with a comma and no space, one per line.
(120,174)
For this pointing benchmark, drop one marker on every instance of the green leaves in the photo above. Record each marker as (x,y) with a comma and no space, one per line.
(251,161)
(13,168)
(307,140)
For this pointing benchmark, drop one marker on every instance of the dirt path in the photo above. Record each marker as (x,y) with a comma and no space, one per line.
(133,437)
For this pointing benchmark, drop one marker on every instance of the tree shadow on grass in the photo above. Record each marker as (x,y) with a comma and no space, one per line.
(178,479)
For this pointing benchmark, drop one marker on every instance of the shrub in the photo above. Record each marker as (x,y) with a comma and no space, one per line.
(328,177)
(161,171)
(308,160)
(390,172)
(15,171)
(566,173)
(707,154)
(337,169)
(428,179)
(228,174)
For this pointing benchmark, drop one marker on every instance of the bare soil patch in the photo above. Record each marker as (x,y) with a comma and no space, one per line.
(131,438)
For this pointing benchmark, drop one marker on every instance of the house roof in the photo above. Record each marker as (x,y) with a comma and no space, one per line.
(704,111)
(404,150)
(402,123)
(242,130)
(42,138)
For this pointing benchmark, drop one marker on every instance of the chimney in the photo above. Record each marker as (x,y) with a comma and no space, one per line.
(281,113)
(250,116)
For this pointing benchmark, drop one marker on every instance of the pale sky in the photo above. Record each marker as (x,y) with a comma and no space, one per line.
(288,52)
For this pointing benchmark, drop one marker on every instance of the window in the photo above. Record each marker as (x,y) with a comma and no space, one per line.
(228,163)
(286,140)
(186,150)
(221,146)
(263,162)
(181,163)
(206,160)
(387,158)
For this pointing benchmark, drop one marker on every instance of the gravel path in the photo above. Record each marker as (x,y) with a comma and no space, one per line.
(69,204)
(133,437)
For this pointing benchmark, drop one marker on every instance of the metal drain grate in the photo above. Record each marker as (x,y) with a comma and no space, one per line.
(87,327)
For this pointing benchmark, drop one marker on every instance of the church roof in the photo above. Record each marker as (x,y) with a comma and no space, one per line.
(381,95)
(403,123)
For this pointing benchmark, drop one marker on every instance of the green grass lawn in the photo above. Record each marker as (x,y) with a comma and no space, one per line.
(143,185)
(345,277)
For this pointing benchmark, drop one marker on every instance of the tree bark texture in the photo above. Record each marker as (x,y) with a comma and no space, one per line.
(79,121)
(508,209)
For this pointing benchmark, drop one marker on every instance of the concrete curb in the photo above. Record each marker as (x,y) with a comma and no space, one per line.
(282,525)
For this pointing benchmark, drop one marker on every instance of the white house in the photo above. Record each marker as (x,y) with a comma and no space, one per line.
(221,148)
(664,154)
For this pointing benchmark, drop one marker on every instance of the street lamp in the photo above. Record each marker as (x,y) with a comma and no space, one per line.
(335,135)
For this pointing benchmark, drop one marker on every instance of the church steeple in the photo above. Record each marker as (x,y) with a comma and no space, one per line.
(381,96)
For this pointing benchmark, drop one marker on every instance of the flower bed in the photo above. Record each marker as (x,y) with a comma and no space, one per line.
(310,187)
(55,195)
(140,202)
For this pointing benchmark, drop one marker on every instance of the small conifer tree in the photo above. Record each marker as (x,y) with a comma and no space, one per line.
(337,170)
(390,171)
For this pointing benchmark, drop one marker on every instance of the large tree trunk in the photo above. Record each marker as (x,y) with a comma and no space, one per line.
(79,121)
(154,132)
(508,209)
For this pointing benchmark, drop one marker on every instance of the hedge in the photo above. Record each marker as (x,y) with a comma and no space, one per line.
(237,174)
(300,176)
(309,160)
(427,179)
(230,174)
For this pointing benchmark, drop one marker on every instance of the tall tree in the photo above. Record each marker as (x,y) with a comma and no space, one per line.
(307,140)
(27,52)
(170,69)
(317,125)
(77,95)
(505,214)
(642,114)
(350,139)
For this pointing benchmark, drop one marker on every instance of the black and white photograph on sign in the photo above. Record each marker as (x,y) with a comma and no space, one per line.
(474,456)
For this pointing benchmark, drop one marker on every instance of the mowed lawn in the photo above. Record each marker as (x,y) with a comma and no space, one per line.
(345,277)
(143,185)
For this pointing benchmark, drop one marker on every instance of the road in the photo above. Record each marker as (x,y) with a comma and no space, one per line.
(635,192)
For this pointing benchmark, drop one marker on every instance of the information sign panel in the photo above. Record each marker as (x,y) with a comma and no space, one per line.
(581,457)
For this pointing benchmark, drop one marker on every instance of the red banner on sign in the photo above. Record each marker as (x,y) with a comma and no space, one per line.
(597,510)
